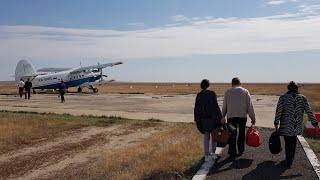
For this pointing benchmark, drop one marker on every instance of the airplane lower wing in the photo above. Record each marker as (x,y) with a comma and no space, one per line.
(97,83)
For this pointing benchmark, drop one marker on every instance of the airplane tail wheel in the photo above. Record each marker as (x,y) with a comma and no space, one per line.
(95,90)
(79,90)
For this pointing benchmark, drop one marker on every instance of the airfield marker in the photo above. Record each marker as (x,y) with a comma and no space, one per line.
(206,166)
(310,154)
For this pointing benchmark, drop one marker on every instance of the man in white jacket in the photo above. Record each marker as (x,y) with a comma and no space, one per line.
(237,105)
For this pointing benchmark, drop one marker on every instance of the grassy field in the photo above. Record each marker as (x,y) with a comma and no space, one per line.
(174,151)
(18,130)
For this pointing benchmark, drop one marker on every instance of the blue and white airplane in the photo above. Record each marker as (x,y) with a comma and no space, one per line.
(50,78)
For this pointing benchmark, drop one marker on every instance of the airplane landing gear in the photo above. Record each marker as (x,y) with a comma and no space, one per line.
(95,90)
(79,90)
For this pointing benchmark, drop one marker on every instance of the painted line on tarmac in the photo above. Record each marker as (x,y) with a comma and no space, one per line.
(206,166)
(310,154)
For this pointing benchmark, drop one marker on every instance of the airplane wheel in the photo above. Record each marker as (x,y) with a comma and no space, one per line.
(34,92)
(95,90)
(79,90)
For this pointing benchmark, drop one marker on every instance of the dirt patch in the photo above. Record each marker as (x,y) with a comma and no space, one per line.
(22,164)
(161,156)
(74,149)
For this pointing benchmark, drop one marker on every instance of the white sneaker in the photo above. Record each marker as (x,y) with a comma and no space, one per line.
(207,158)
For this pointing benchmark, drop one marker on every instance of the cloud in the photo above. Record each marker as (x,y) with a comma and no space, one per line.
(310,9)
(136,24)
(278,2)
(179,18)
(279,33)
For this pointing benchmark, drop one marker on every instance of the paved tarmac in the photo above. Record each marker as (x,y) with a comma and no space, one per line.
(260,164)
(171,108)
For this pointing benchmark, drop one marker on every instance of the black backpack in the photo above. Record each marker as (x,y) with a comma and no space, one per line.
(275,143)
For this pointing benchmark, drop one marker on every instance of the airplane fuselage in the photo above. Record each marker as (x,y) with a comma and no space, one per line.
(50,78)
(71,79)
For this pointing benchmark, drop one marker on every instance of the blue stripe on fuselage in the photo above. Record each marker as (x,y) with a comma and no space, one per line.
(73,83)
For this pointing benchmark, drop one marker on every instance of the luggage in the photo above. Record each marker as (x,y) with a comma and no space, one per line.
(222,135)
(310,131)
(275,143)
(253,137)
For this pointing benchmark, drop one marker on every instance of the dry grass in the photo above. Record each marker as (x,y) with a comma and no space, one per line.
(8,88)
(173,153)
(21,129)
(164,156)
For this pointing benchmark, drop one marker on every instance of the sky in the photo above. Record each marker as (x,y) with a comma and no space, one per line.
(166,40)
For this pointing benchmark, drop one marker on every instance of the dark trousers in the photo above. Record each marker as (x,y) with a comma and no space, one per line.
(62,96)
(21,91)
(27,94)
(290,146)
(239,124)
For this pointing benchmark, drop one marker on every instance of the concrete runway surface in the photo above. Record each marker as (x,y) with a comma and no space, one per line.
(172,108)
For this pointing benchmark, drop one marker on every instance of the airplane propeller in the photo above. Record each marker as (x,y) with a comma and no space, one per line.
(101,73)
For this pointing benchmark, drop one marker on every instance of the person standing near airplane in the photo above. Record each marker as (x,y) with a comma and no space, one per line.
(27,87)
(237,105)
(62,90)
(21,87)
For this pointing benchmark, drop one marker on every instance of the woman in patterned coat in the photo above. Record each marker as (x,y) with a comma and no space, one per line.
(290,112)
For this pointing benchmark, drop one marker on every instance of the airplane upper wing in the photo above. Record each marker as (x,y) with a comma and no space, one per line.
(53,69)
(99,66)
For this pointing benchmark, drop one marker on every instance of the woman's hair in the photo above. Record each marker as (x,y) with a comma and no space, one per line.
(292,86)
(204,84)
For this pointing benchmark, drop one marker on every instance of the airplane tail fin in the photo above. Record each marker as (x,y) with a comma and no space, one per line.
(24,70)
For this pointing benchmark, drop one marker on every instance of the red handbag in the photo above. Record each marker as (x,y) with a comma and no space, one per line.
(253,137)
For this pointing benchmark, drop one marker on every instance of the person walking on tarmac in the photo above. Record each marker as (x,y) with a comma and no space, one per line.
(62,90)
(207,115)
(27,87)
(237,105)
(21,87)
(289,117)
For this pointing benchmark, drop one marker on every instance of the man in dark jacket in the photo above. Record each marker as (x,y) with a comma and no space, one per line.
(62,90)
(27,87)
(207,115)
(289,114)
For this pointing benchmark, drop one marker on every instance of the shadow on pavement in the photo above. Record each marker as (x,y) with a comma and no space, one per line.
(269,170)
(236,164)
